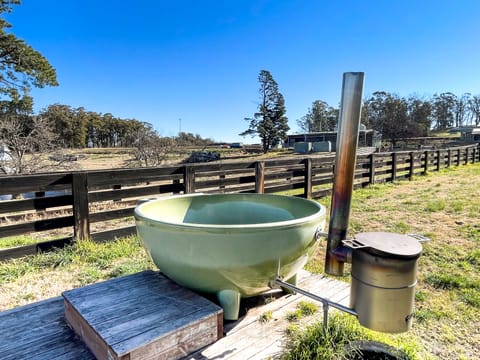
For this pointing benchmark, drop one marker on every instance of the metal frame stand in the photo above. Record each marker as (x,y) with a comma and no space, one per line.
(325,302)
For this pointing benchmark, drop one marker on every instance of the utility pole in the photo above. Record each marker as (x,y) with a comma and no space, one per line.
(179,126)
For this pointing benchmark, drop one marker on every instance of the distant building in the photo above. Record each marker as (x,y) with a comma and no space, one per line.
(366,138)
(476,135)
(473,135)
(236,145)
(467,133)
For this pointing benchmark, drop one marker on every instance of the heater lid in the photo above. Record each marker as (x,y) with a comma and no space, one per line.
(386,244)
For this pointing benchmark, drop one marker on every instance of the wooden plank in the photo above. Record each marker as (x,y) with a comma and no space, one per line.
(269,189)
(35,226)
(33,249)
(35,204)
(260,177)
(81,226)
(105,195)
(92,290)
(89,336)
(109,235)
(132,176)
(307,181)
(38,331)
(189,179)
(227,182)
(17,252)
(111,214)
(227,172)
(372,168)
(270,163)
(224,166)
(17,184)
(142,316)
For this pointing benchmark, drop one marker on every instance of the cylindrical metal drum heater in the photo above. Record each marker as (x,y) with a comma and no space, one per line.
(384,268)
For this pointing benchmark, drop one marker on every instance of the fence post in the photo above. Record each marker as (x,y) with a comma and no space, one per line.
(307,190)
(221,181)
(259,177)
(176,182)
(412,166)
(425,168)
(394,166)
(117,187)
(467,153)
(458,157)
(438,160)
(40,194)
(372,169)
(449,160)
(474,157)
(188,179)
(81,225)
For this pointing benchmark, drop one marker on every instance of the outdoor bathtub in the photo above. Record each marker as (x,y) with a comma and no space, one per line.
(233,245)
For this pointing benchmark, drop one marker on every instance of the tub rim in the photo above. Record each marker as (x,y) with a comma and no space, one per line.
(321,211)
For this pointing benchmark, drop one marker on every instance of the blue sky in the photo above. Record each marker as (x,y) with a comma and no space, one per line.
(198,61)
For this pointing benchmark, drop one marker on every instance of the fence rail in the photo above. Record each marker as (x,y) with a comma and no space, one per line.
(99,204)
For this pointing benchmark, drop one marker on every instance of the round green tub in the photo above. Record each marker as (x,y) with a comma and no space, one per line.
(234,245)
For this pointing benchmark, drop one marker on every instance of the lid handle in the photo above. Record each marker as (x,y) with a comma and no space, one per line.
(419,237)
(354,244)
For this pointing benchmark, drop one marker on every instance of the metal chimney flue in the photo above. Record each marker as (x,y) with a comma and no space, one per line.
(346,149)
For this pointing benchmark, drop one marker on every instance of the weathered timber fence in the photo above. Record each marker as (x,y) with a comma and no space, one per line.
(83,204)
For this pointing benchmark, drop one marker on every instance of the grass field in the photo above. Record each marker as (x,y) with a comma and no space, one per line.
(443,206)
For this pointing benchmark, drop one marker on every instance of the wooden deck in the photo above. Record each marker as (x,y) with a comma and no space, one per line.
(39,330)
(250,338)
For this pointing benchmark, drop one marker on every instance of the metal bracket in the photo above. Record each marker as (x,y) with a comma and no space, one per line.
(319,233)
(325,302)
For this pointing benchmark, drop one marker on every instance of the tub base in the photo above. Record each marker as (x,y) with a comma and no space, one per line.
(230,302)
(229,299)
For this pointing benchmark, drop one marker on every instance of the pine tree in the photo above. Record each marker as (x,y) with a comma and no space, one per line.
(270,122)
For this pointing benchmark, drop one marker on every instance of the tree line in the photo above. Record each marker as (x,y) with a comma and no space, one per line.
(25,139)
(403,117)
(78,128)
(393,116)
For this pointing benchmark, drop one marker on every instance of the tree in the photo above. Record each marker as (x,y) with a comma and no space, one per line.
(320,117)
(21,67)
(419,116)
(396,117)
(443,109)
(270,122)
(388,114)
(29,139)
(150,148)
(474,106)
(462,110)
(62,117)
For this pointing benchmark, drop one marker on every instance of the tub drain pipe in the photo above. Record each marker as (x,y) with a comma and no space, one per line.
(325,302)
(347,140)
